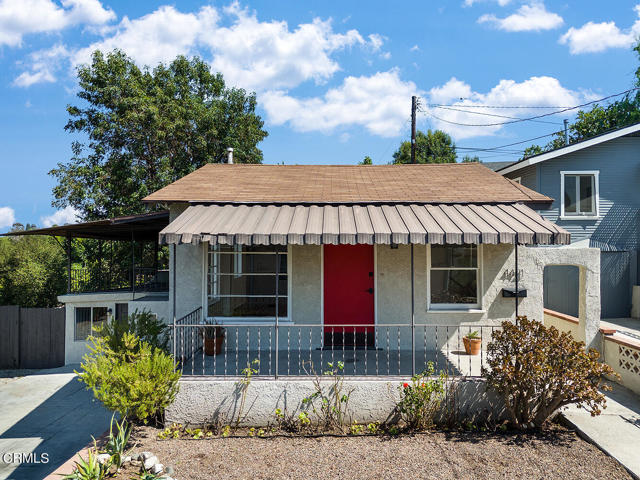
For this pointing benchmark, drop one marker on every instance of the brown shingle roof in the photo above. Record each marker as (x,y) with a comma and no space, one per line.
(441,183)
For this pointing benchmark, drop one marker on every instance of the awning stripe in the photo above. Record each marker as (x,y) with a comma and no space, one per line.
(369,224)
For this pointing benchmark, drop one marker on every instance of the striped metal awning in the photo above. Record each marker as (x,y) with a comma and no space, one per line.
(369,224)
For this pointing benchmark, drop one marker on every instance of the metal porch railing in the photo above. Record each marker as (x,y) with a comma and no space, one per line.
(299,350)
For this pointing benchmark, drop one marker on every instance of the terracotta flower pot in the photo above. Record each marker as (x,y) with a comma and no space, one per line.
(213,346)
(472,346)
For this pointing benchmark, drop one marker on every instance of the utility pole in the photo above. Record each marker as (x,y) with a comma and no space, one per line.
(566,131)
(414,105)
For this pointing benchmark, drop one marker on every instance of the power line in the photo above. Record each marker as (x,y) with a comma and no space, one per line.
(494,115)
(534,117)
(522,107)
(523,141)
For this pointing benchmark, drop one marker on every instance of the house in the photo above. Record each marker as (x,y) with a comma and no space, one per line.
(597,199)
(383,267)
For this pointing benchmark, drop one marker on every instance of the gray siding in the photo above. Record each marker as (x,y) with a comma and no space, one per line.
(618,227)
(528,177)
(618,161)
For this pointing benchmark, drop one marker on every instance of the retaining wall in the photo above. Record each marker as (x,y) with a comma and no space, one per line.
(370,400)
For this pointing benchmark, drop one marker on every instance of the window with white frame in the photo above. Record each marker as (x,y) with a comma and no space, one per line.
(454,276)
(579,194)
(241,282)
(87,319)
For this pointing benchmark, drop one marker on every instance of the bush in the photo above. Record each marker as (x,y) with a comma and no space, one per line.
(537,370)
(139,381)
(144,325)
(420,399)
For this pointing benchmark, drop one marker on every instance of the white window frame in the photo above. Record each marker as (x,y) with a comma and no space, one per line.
(456,307)
(578,216)
(282,320)
(75,323)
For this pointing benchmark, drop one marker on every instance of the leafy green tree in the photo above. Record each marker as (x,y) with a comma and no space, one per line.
(470,159)
(32,271)
(141,129)
(366,161)
(431,147)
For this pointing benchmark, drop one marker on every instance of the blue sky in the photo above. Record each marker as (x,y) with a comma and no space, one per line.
(333,79)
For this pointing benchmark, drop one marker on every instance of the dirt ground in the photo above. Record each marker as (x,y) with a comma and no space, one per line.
(557,454)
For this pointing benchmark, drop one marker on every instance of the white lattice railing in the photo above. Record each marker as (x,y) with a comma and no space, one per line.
(622,353)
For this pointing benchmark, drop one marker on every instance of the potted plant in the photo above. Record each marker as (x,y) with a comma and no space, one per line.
(472,343)
(213,339)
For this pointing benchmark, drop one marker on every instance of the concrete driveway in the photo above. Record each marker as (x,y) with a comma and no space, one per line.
(49,415)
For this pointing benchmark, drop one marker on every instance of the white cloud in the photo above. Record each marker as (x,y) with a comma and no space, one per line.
(22,17)
(268,55)
(376,41)
(378,103)
(598,37)
(530,17)
(42,64)
(469,3)
(61,217)
(156,37)
(250,53)
(7,217)
(536,91)
(415,48)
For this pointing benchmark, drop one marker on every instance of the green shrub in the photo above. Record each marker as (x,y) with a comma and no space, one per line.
(144,325)
(420,399)
(538,370)
(89,469)
(139,381)
(117,441)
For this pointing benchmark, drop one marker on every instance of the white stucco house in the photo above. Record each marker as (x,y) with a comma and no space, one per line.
(383,267)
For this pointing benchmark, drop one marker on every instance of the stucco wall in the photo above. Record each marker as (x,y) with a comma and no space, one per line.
(207,401)
(75,349)
(306,284)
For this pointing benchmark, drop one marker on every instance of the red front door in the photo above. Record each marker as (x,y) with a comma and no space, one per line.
(348,295)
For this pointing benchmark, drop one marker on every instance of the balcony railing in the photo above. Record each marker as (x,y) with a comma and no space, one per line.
(145,279)
(294,350)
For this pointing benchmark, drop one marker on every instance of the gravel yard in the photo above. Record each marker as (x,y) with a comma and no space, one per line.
(558,453)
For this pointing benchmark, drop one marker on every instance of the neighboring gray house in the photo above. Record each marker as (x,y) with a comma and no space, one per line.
(595,185)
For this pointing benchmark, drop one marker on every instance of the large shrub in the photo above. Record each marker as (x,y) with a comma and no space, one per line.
(138,381)
(144,325)
(538,370)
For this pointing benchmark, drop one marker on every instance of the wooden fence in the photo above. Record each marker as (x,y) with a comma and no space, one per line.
(31,337)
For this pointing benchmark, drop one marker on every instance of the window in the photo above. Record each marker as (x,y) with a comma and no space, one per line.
(579,194)
(87,318)
(453,276)
(241,282)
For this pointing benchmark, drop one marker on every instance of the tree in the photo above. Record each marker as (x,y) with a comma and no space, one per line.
(433,147)
(32,271)
(144,129)
(366,161)
(470,159)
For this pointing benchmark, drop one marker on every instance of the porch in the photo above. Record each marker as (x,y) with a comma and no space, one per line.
(387,350)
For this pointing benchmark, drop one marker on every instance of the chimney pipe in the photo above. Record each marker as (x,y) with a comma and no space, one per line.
(229,155)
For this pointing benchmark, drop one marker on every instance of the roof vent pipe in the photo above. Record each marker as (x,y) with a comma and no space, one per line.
(229,155)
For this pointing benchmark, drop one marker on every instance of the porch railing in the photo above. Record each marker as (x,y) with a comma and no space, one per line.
(145,279)
(298,350)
